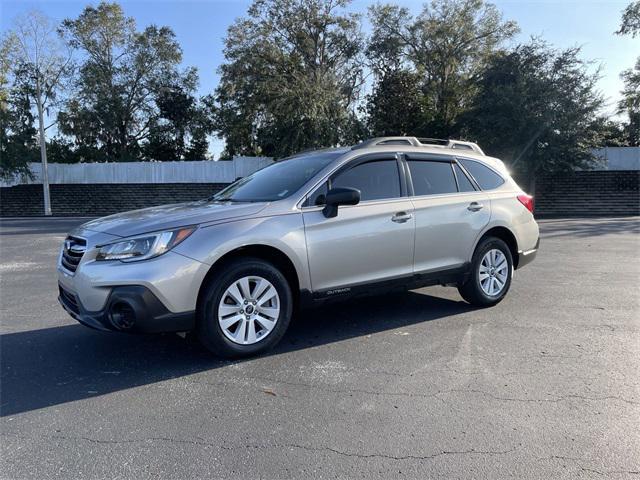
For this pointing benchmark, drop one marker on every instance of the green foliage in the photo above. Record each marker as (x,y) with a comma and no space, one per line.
(447,45)
(18,137)
(630,102)
(123,75)
(292,75)
(630,20)
(34,63)
(612,133)
(292,79)
(180,129)
(536,108)
(5,68)
(396,105)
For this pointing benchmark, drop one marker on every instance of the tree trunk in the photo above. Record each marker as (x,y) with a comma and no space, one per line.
(43,150)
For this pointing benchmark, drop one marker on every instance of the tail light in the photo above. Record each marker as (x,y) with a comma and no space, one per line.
(527,201)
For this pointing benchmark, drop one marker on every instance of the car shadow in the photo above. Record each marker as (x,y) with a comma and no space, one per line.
(52,366)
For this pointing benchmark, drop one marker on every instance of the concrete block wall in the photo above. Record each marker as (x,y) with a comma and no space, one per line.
(99,199)
(588,194)
(580,194)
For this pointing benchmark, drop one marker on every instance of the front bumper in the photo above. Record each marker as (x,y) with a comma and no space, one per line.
(129,308)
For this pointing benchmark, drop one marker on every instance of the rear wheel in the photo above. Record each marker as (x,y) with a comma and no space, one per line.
(245,310)
(491,273)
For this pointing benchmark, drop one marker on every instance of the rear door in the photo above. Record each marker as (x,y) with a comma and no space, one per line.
(450,211)
(364,243)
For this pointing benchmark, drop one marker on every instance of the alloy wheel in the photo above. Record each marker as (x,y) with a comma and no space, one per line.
(494,271)
(248,310)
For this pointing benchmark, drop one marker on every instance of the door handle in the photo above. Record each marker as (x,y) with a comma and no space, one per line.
(401,217)
(475,206)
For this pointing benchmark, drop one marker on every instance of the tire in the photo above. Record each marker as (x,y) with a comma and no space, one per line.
(219,297)
(474,290)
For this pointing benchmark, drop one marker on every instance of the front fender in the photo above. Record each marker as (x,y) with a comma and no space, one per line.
(284,232)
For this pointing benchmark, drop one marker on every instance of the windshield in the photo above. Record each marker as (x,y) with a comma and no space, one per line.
(277,181)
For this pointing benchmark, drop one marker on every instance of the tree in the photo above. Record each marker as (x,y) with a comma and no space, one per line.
(122,72)
(5,67)
(180,130)
(18,137)
(291,78)
(395,107)
(535,110)
(612,133)
(447,45)
(39,64)
(630,103)
(630,20)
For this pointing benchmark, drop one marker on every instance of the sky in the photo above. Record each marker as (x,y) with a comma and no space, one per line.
(200,27)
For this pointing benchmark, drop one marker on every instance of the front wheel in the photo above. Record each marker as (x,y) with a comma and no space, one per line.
(491,273)
(245,310)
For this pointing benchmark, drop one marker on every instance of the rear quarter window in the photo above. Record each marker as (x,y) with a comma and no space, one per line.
(483,175)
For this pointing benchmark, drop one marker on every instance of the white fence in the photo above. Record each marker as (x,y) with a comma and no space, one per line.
(619,158)
(221,171)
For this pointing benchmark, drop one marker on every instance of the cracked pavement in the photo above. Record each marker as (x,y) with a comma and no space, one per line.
(411,385)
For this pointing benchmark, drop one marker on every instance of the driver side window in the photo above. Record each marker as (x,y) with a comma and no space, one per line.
(376,180)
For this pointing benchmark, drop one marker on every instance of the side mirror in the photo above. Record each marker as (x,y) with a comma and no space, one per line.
(339,196)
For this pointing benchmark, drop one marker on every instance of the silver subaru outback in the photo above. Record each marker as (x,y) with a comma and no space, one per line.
(393,212)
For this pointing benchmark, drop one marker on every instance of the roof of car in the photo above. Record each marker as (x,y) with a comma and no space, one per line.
(383,144)
(439,143)
(407,144)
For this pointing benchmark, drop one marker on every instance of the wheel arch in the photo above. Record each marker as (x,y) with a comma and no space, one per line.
(268,253)
(504,234)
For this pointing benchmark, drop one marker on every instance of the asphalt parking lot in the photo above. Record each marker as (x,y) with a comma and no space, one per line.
(415,385)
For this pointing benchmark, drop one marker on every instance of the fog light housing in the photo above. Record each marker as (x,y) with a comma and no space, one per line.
(122,315)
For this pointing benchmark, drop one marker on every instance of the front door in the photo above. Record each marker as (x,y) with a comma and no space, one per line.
(364,243)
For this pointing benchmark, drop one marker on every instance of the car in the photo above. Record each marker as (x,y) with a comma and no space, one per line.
(389,213)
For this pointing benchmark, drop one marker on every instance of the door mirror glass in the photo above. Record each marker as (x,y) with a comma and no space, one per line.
(339,196)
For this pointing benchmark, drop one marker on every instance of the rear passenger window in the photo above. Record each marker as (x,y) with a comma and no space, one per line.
(484,176)
(376,180)
(464,184)
(432,178)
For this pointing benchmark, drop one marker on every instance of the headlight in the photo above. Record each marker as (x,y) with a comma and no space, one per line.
(144,246)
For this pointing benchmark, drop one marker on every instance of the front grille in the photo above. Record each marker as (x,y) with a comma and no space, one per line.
(70,301)
(72,252)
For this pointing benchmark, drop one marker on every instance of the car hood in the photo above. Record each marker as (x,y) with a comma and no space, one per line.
(170,216)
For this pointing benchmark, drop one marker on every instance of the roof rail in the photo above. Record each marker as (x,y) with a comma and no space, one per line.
(420,142)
